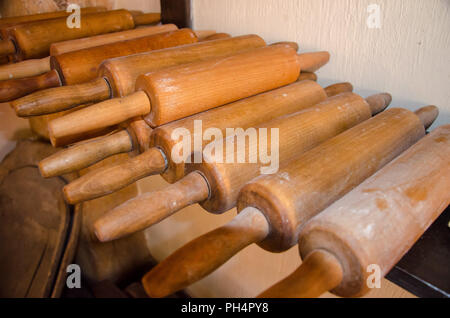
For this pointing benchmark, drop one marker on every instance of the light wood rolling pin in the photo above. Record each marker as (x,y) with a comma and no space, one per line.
(82,65)
(135,138)
(34,67)
(376,223)
(7,23)
(245,113)
(117,76)
(274,208)
(216,185)
(179,91)
(120,74)
(33,40)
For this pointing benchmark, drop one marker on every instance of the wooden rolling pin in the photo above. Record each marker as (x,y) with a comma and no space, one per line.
(32,40)
(244,114)
(117,76)
(82,65)
(34,67)
(8,21)
(173,93)
(6,24)
(81,156)
(215,185)
(376,223)
(274,208)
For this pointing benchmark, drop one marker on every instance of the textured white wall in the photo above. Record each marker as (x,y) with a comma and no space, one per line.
(408,57)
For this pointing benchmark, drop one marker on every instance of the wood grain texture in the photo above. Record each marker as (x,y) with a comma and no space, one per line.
(82,65)
(33,39)
(25,68)
(118,75)
(319,273)
(411,40)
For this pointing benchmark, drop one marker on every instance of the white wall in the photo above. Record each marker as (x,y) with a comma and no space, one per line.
(408,57)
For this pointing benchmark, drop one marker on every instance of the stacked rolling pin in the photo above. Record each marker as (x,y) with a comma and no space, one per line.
(348,173)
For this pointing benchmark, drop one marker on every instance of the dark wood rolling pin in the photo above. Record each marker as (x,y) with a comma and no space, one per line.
(274,208)
(82,65)
(32,40)
(34,67)
(376,223)
(245,113)
(173,93)
(6,24)
(136,138)
(216,184)
(117,76)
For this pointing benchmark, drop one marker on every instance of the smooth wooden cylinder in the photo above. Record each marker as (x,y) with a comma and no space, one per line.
(380,220)
(322,175)
(220,81)
(33,39)
(82,65)
(79,156)
(216,36)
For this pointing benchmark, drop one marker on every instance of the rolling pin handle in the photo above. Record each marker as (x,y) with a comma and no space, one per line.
(147,18)
(150,208)
(379,102)
(112,178)
(16,88)
(62,98)
(427,115)
(320,272)
(203,255)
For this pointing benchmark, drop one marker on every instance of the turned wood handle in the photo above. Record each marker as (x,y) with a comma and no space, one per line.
(108,179)
(307,76)
(57,99)
(147,18)
(293,45)
(427,115)
(311,62)
(7,48)
(338,88)
(150,208)
(16,88)
(25,69)
(104,114)
(320,272)
(206,253)
(379,102)
(85,154)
